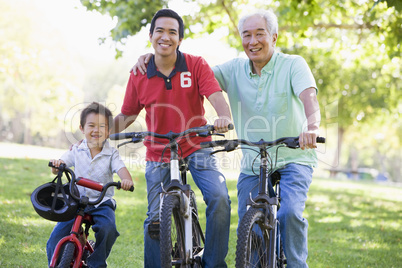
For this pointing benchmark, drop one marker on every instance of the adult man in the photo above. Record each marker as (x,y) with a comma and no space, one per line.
(273,95)
(172,94)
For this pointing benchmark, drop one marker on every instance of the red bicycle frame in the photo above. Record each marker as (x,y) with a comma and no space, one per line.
(77,231)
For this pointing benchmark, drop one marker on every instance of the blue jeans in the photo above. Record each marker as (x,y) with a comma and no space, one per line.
(105,234)
(206,175)
(295,182)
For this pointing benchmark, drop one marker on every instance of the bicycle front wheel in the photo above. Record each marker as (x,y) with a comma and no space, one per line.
(252,248)
(67,258)
(198,235)
(171,233)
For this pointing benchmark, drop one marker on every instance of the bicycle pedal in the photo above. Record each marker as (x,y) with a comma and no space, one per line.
(153,230)
(197,263)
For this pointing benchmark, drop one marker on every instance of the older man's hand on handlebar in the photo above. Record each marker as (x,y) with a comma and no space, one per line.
(308,139)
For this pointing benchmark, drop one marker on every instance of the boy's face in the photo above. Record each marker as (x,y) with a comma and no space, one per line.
(165,37)
(96,130)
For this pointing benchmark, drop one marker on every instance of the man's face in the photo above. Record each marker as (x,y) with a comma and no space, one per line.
(257,42)
(165,37)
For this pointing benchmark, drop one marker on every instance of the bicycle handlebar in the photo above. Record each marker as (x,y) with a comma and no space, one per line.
(230,145)
(203,131)
(88,184)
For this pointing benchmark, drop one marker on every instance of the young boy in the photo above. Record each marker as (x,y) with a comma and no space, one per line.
(94,159)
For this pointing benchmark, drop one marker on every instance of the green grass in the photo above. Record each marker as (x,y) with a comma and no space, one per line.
(351,224)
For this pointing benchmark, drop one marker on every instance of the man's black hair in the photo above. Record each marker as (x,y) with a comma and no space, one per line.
(170,14)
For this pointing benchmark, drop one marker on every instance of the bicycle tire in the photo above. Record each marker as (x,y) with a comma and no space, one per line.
(67,256)
(171,233)
(281,259)
(198,235)
(252,248)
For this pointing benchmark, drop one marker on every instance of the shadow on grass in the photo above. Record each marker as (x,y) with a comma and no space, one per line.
(352,228)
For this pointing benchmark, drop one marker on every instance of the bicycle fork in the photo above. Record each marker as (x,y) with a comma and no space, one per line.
(185,209)
(74,238)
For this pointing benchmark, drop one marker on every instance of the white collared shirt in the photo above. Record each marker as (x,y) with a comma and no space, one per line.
(99,169)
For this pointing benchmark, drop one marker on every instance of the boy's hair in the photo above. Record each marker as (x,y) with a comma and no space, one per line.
(170,14)
(96,108)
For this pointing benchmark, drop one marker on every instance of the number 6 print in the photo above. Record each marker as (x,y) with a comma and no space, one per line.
(185,79)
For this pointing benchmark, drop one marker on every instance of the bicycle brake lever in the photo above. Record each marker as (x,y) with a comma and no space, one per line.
(293,144)
(204,134)
(133,140)
(124,143)
(217,151)
(218,134)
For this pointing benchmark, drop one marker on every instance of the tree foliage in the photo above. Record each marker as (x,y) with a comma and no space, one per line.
(382,17)
(33,88)
(352,46)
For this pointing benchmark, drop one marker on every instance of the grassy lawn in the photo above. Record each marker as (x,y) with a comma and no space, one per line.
(350,224)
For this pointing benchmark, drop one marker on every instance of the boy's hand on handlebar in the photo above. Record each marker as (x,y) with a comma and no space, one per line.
(307,140)
(56,163)
(126,184)
(126,180)
(141,64)
(221,125)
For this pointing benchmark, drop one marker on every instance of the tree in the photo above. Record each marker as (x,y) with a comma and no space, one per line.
(352,46)
(35,88)
(382,17)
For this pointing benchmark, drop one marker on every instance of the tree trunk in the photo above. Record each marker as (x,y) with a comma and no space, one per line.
(337,155)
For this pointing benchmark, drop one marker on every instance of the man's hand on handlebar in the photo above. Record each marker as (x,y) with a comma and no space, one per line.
(221,125)
(307,140)
(141,64)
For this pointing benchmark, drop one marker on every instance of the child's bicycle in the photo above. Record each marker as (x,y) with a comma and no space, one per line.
(258,241)
(58,202)
(181,235)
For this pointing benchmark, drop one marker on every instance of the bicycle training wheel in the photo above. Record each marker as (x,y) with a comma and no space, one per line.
(252,248)
(171,233)
(67,256)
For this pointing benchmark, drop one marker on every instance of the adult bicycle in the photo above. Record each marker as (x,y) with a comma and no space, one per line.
(181,236)
(58,202)
(258,237)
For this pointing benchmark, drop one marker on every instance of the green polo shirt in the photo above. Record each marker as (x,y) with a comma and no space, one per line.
(268,106)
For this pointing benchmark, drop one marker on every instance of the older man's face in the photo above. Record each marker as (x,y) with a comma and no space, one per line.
(257,42)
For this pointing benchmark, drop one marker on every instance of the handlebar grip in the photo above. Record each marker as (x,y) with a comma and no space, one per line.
(217,143)
(62,166)
(121,136)
(207,144)
(119,187)
(320,139)
(230,126)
